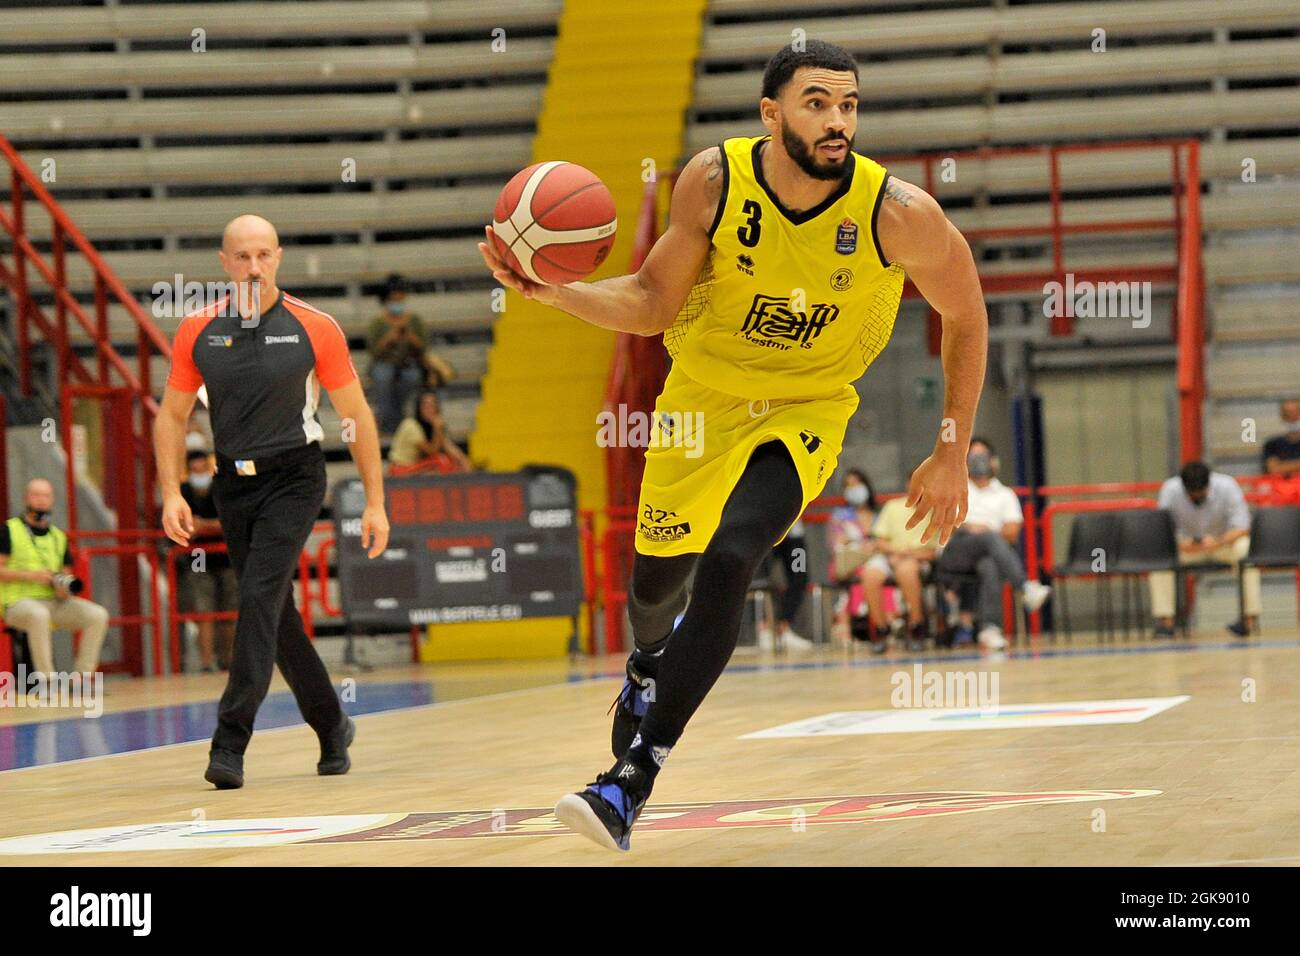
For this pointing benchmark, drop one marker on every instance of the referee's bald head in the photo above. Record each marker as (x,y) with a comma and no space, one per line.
(247,228)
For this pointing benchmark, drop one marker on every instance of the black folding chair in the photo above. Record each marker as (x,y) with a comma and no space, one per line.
(1147,543)
(1274,543)
(1089,532)
(18,648)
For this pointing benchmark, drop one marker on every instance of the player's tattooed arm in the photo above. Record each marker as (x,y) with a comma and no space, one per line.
(916,235)
(896,191)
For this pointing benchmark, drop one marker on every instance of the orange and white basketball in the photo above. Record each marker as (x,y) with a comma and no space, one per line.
(554,222)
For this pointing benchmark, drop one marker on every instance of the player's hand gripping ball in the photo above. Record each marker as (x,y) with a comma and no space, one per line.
(554,223)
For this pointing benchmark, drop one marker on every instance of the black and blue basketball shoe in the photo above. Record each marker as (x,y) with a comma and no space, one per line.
(605,811)
(633,700)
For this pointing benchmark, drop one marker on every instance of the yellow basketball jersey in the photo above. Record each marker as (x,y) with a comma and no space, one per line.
(788,304)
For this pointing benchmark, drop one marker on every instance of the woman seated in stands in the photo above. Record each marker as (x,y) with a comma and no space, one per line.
(851,544)
(421,442)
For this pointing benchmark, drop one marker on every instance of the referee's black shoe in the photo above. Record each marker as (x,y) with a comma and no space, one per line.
(334,759)
(225,769)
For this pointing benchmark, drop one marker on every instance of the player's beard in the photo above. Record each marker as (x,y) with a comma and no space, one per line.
(805,158)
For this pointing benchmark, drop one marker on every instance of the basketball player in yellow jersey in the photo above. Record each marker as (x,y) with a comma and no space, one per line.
(776,284)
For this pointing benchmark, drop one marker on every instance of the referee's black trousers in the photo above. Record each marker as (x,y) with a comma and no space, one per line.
(266,519)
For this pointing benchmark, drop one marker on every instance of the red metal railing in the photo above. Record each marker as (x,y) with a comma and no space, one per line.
(1184,222)
(128,546)
(71,370)
(606,569)
(127,406)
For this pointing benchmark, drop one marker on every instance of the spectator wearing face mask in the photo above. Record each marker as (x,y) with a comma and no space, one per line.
(206,580)
(985,545)
(397,345)
(1212,524)
(1282,452)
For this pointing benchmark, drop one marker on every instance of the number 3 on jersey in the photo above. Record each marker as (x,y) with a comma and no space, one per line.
(748,233)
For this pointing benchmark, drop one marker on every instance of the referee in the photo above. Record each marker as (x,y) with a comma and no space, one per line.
(263,360)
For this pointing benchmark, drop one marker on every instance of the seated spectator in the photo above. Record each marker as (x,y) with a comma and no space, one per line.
(1212,524)
(37,588)
(422,440)
(396,345)
(792,552)
(985,545)
(211,585)
(848,535)
(1282,452)
(905,556)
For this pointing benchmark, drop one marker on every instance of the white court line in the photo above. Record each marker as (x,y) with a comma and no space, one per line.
(1259,859)
(271,730)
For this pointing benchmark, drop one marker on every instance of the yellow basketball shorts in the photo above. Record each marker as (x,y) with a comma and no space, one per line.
(702,439)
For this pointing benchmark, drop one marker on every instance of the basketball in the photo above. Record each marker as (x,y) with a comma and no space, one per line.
(555,222)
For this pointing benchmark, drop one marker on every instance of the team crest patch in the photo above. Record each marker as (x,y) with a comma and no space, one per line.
(842,280)
(846,237)
(775,813)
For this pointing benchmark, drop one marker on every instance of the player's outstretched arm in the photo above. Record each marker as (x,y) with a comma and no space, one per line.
(916,234)
(647,302)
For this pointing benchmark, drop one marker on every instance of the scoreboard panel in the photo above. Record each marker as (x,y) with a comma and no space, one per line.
(462,548)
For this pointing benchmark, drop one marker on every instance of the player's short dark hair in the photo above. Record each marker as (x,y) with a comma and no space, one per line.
(1196,476)
(981,440)
(781,67)
(194,453)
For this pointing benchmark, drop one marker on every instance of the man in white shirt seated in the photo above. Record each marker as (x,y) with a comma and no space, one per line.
(1212,524)
(985,545)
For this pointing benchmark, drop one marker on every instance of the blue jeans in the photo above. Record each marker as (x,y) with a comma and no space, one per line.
(392,386)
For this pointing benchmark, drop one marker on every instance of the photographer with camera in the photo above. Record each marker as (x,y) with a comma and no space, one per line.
(37,588)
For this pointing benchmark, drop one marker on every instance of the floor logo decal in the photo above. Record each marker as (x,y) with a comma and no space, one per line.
(793,813)
(906,720)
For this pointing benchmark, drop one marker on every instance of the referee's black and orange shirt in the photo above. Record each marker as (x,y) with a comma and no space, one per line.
(263,382)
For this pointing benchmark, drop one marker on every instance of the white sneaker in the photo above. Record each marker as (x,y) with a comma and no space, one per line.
(1035,593)
(766,639)
(794,642)
(991,637)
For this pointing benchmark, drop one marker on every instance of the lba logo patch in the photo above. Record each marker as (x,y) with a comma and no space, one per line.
(221,341)
(382,828)
(846,237)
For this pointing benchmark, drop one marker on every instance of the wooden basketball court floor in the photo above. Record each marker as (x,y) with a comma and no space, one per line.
(460,764)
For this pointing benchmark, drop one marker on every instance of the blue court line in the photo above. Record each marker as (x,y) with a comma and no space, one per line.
(64,739)
(78,738)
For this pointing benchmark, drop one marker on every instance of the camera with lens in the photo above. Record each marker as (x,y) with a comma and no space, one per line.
(62,581)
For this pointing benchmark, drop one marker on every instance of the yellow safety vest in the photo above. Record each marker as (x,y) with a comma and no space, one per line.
(31,552)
